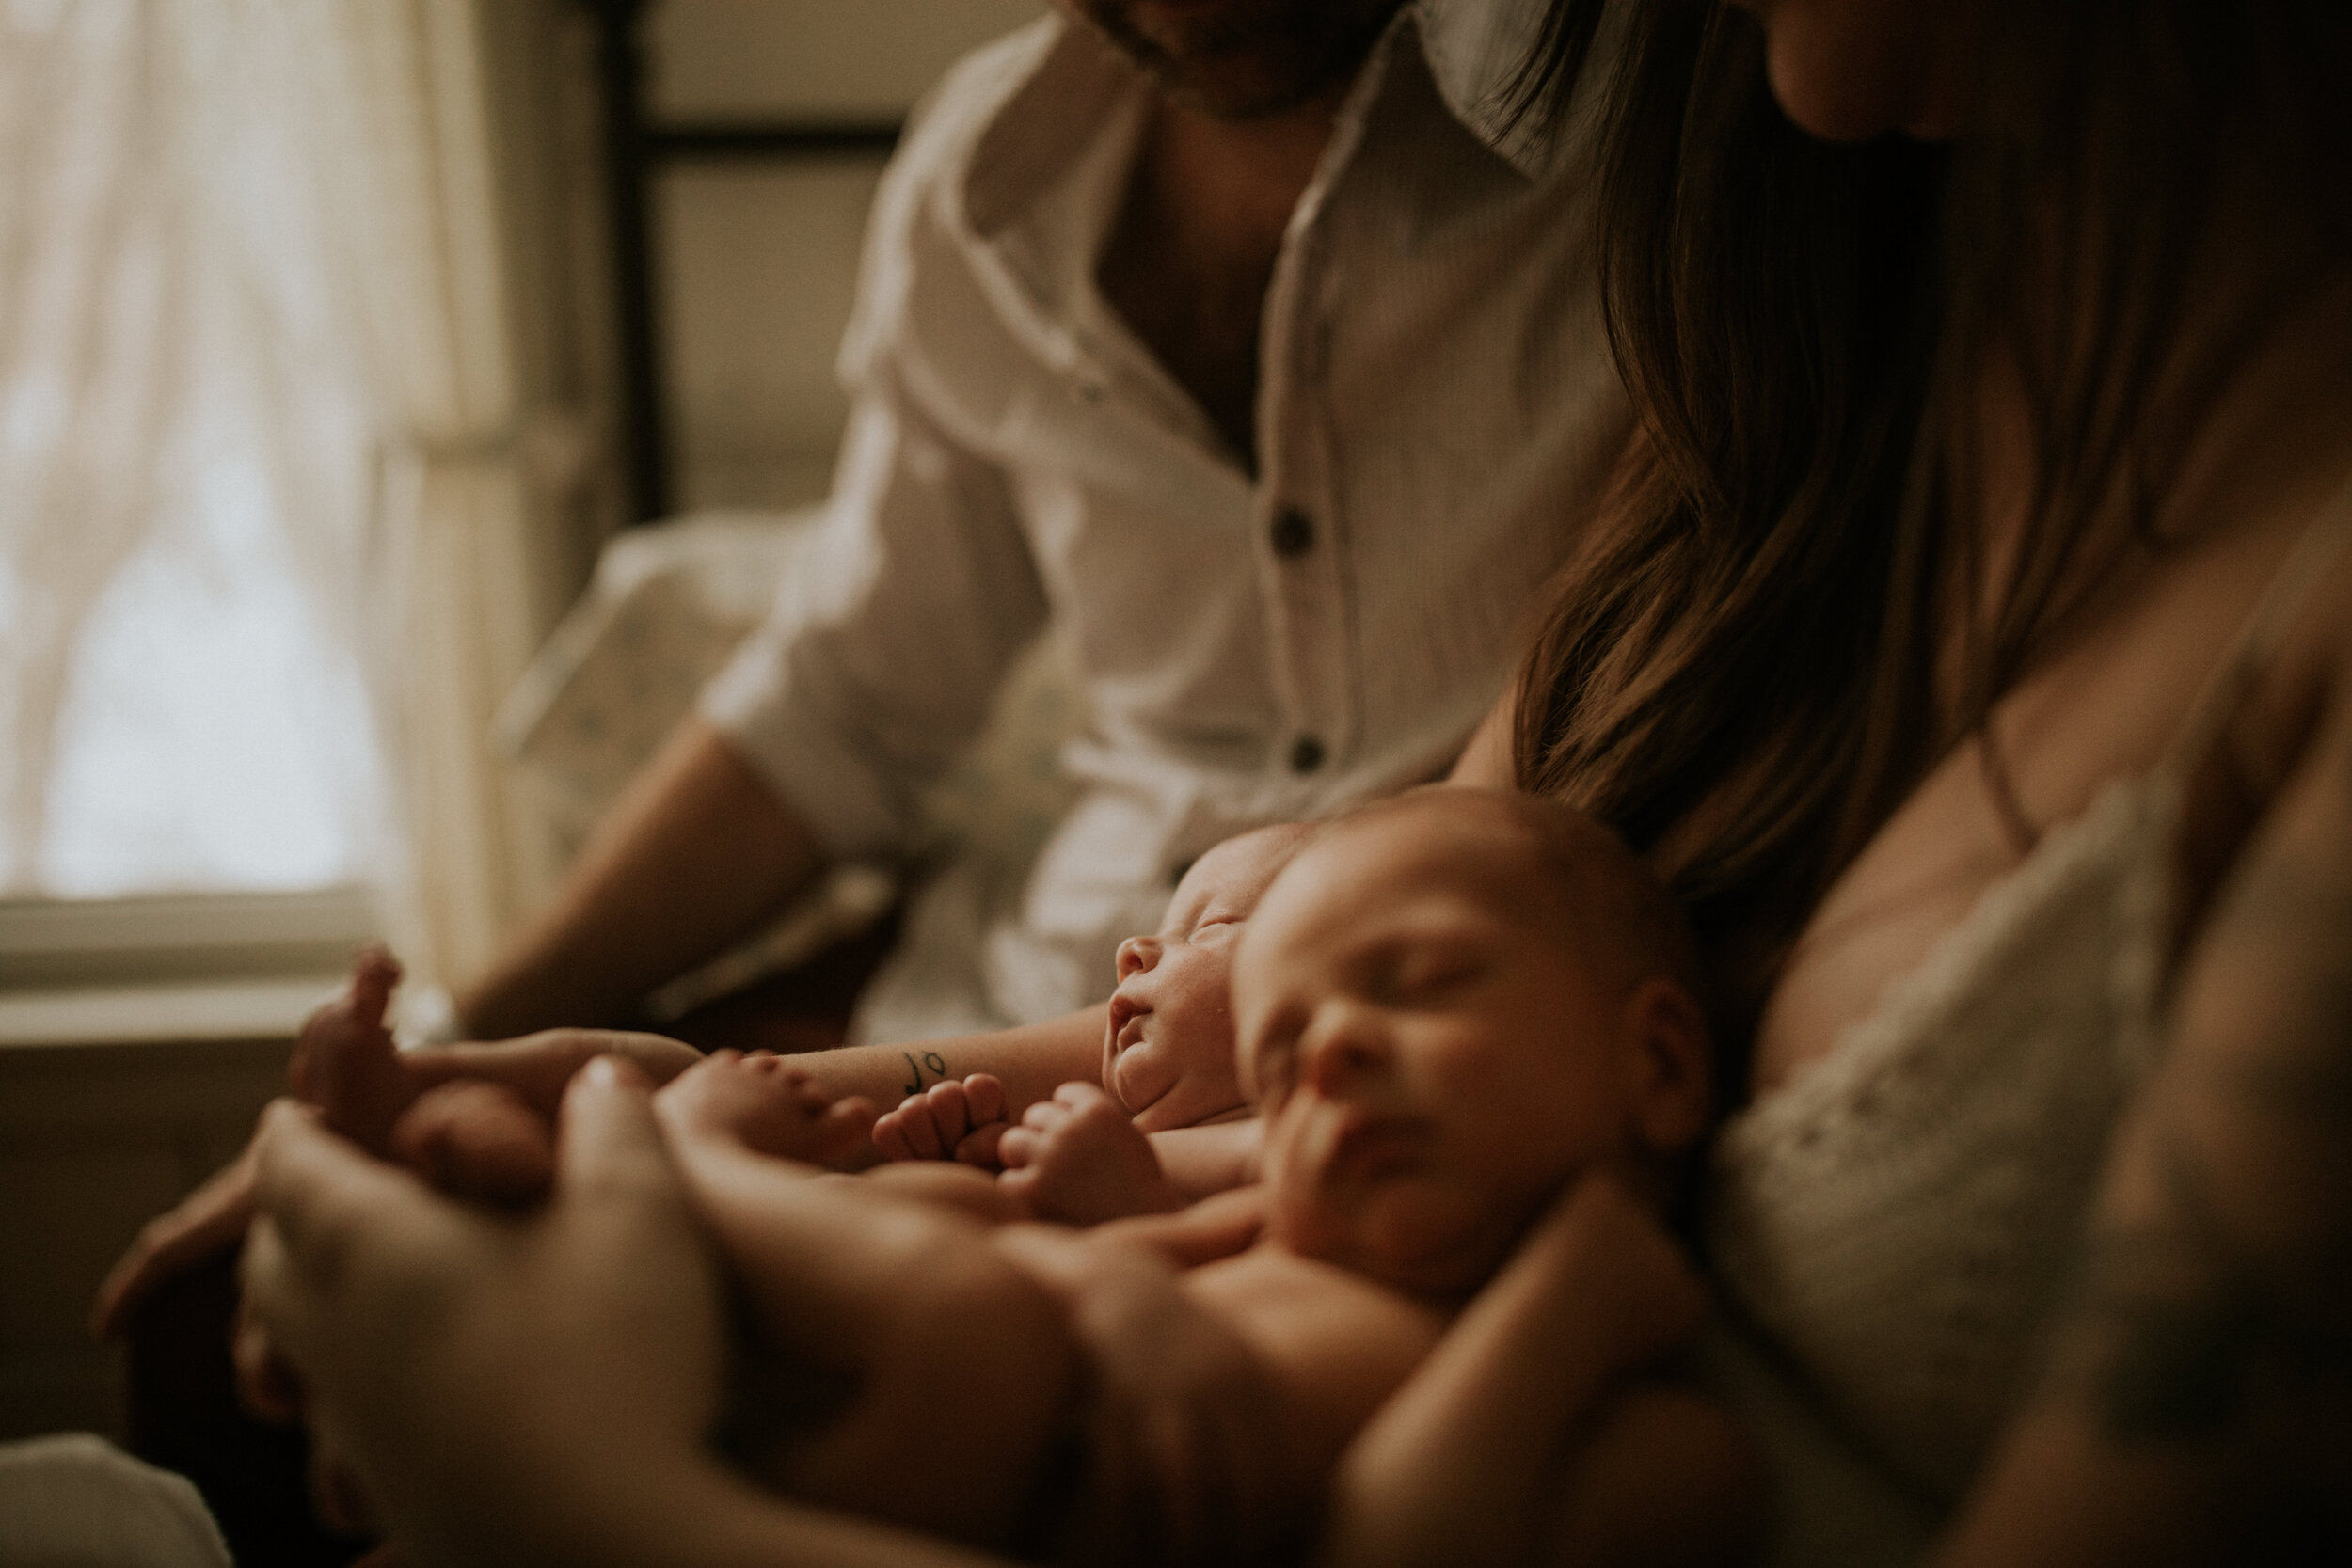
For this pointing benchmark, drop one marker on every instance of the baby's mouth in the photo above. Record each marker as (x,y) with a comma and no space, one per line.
(1126,1025)
(1368,1147)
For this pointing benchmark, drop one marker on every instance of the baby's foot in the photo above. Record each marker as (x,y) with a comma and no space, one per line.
(765,1103)
(1079,1159)
(476,1140)
(344,1061)
(956,1119)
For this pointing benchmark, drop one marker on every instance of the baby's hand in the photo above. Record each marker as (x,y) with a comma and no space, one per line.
(765,1103)
(1079,1158)
(956,1119)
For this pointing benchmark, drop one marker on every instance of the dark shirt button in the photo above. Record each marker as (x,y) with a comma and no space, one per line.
(1293,535)
(1306,755)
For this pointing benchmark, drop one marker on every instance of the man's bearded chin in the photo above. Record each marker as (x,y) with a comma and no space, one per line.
(1242,59)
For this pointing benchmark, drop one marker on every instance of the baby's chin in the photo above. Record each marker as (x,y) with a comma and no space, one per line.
(1159,1094)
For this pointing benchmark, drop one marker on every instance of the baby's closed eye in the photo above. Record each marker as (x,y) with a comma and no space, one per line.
(1427,975)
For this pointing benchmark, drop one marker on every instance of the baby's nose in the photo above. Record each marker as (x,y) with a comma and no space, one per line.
(1137,954)
(1343,1045)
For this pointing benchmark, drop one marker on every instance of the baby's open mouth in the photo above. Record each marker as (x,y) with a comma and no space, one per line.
(1126,1024)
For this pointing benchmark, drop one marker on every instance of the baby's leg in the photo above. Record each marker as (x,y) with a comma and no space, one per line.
(961,1363)
(344,1061)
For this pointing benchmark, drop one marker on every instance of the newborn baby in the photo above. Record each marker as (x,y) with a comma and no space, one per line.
(1129,1145)
(1081,1157)
(1465,1017)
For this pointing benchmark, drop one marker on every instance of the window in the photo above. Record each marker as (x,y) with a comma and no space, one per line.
(183,469)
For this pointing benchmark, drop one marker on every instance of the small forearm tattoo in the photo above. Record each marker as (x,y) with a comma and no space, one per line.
(916,1065)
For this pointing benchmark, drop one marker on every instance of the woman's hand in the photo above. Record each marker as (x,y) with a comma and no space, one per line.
(496,1386)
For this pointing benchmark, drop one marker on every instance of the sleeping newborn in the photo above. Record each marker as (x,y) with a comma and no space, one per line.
(1124,1146)
(1465,1017)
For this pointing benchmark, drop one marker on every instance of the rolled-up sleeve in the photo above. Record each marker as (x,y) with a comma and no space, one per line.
(886,644)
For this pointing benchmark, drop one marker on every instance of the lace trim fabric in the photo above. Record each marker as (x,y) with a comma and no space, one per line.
(1898,1217)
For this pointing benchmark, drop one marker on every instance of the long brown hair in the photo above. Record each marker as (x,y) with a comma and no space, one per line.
(1746,667)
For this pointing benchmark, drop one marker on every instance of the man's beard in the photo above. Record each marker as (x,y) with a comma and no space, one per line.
(1249,58)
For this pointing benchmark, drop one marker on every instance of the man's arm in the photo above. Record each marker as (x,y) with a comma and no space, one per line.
(694,852)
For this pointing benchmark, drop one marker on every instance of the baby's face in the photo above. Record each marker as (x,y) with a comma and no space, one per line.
(1432,1059)
(1168,1056)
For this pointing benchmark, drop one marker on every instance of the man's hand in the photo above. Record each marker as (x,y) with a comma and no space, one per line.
(955,1120)
(209,1220)
(1079,1158)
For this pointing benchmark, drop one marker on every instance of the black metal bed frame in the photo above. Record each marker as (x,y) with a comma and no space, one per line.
(635,152)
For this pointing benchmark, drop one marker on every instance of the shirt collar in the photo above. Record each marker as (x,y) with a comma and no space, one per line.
(1473,50)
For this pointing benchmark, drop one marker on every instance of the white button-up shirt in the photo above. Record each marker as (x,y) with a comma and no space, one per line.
(1436,413)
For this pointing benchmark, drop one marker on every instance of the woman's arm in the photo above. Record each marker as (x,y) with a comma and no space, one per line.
(524,1391)
(2195,1406)
(1486,762)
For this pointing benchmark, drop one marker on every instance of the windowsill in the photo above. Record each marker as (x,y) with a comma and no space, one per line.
(262,1009)
(192,969)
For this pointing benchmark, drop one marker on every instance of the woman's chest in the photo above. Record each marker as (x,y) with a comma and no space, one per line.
(2125,697)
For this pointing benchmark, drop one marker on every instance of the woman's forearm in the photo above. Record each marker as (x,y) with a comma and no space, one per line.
(1030,1060)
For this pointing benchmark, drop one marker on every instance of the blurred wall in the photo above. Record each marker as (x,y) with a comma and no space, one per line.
(757,259)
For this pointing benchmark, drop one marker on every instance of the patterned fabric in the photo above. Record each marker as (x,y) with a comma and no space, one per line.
(1895,1222)
(1436,409)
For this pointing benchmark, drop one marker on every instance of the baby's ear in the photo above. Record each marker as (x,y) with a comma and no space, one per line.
(1669,1053)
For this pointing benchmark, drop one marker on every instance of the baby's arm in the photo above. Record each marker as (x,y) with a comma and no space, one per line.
(1215,1157)
(1539,1431)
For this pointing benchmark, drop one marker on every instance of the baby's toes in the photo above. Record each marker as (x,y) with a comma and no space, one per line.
(890,1136)
(950,1113)
(1018,1147)
(985,1094)
(983,1146)
(915,1125)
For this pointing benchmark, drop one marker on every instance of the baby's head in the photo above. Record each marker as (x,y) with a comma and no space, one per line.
(1167,1056)
(1449,1005)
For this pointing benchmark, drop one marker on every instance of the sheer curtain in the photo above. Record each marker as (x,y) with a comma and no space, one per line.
(273,503)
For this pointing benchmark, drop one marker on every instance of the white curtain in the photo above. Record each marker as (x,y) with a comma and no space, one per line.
(257,370)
